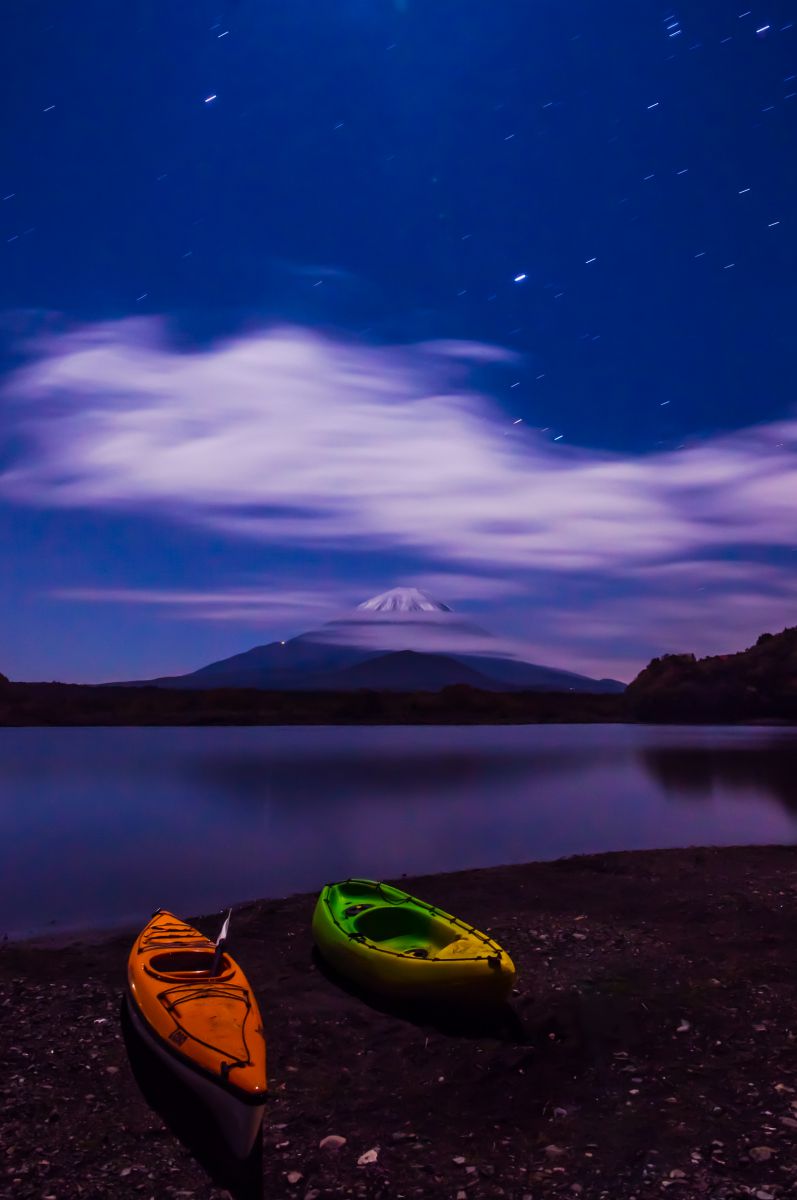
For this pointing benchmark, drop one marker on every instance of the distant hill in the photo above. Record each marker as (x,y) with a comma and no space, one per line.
(759,683)
(381,645)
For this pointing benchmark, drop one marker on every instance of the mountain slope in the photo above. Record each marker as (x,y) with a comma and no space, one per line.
(375,635)
(407,671)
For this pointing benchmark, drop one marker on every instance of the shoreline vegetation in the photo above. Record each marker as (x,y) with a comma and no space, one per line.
(65,704)
(62,704)
(652,1046)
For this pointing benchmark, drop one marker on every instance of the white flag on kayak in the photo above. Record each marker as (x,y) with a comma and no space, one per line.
(224,929)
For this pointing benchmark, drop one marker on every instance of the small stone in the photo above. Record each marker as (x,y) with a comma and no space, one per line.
(313,1194)
(762,1195)
(580,937)
(370,1156)
(111,1070)
(125,1171)
(554,1151)
(462,1195)
(560,1112)
(684,1027)
(676,1174)
(459,1160)
(789,1121)
(762,1153)
(333,1141)
(294,1177)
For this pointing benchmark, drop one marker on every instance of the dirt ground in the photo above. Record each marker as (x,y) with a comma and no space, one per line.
(652,1049)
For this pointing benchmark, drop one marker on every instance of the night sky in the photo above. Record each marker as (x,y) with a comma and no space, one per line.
(305,299)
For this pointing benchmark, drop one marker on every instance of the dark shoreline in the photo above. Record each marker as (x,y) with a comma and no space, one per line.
(33,705)
(654,1047)
(64,704)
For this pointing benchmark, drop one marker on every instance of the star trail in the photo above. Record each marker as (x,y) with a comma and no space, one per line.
(593,201)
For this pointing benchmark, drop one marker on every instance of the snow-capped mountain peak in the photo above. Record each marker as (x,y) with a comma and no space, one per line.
(403,599)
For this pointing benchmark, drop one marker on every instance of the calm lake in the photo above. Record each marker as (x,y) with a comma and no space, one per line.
(101,826)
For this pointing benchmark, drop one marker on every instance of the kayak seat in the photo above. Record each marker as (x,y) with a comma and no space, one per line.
(195,963)
(405,930)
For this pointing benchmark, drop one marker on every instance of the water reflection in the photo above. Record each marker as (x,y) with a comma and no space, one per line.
(702,772)
(107,824)
(253,778)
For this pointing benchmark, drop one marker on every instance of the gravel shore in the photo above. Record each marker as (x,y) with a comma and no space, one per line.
(652,1049)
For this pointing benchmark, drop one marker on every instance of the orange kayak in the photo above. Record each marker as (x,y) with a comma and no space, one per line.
(206,1027)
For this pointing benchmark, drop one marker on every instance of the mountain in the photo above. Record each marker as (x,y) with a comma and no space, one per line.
(759,683)
(407,671)
(382,641)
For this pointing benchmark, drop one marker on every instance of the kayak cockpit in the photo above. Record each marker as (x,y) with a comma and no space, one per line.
(189,965)
(405,930)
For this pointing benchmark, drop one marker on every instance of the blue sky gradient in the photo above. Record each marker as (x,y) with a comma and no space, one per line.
(269,353)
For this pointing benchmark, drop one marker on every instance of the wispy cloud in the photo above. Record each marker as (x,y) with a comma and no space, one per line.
(158,596)
(246,605)
(290,437)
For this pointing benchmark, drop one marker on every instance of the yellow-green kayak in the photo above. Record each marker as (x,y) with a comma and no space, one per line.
(388,942)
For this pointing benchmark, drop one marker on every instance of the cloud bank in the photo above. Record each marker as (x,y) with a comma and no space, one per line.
(292,438)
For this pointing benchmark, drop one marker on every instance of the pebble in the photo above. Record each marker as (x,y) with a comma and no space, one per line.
(554,1151)
(333,1141)
(792,1124)
(370,1156)
(761,1153)
(684,1027)
(294,1176)
(459,1160)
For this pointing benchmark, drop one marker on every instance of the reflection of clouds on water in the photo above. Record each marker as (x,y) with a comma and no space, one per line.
(697,772)
(348,777)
